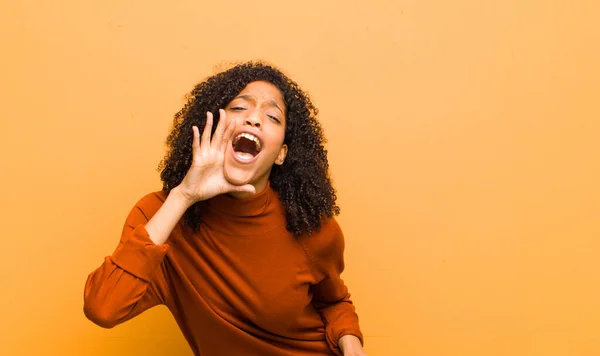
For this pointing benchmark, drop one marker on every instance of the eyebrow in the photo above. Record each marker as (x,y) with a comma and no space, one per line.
(272,102)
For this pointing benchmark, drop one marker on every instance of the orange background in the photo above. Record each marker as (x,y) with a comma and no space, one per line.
(463,140)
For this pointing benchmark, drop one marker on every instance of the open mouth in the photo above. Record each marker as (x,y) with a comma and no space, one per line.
(246,146)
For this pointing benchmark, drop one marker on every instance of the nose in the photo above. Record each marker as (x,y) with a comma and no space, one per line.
(253,120)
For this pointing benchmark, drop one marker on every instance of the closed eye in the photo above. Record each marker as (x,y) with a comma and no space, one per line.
(274,118)
(238,108)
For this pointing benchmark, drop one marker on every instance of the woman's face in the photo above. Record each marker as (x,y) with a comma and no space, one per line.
(257,142)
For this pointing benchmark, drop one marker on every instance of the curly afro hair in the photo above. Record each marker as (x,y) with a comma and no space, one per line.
(302,182)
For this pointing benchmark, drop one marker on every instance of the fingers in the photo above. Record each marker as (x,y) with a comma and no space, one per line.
(228,135)
(218,139)
(207,129)
(196,141)
(222,134)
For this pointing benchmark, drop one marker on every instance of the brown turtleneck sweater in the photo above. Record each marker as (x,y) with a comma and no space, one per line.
(242,285)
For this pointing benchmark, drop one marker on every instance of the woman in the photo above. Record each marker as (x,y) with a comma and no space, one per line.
(240,244)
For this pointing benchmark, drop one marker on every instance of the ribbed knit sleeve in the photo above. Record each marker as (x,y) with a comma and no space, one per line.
(331,298)
(129,281)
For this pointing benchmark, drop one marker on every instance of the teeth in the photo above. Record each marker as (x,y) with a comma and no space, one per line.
(249,137)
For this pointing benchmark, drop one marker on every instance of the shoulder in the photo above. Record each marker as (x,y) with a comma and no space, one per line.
(144,209)
(327,243)
(149,204)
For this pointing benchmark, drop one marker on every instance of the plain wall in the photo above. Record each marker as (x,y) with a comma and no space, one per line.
(463,141)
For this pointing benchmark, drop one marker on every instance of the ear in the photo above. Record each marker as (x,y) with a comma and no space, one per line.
(281,156)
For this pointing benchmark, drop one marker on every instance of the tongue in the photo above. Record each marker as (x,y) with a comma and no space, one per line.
(244,155)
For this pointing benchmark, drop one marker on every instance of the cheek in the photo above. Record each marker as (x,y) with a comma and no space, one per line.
(277,142)
(234,115)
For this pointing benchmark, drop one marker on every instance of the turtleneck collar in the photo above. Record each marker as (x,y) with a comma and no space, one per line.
(255,215)
(255,205)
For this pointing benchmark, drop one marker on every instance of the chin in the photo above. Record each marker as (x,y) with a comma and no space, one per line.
(237,175)
(238,178)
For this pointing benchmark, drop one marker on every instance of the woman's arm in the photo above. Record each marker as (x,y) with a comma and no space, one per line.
(129,281)
(163,222)
(330,295)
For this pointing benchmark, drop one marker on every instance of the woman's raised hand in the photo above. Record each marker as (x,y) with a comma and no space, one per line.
(205,178)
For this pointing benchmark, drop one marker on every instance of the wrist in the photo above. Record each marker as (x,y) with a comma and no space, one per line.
(181,197)
(349,343)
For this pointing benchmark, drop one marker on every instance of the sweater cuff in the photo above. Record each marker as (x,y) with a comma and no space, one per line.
(138,254)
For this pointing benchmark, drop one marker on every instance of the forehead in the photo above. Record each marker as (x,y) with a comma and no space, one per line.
(263,90)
